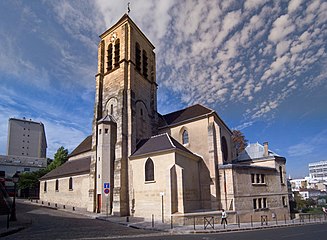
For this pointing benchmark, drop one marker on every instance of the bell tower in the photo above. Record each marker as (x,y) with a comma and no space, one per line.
(125,111)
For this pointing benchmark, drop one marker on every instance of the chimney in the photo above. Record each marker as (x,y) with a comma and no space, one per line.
(265,147)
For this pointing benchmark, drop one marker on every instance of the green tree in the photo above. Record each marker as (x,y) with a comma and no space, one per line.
(239,140)
(60,157)
(31,179)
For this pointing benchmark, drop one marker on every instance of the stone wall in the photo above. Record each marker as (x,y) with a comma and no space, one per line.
(77,196)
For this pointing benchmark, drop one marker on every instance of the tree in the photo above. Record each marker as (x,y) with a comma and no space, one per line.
(239,140)
(60,157)
(31,179)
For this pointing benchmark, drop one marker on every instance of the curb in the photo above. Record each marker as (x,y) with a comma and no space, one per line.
(11,231)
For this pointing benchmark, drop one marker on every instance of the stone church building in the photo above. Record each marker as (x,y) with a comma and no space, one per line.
(138,162)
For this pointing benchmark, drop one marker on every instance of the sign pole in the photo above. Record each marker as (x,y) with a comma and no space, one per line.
(107,205)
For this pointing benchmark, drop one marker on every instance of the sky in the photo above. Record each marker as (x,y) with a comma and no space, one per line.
(261,65)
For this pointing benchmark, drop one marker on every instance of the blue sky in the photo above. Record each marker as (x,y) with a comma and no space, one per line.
(262,65)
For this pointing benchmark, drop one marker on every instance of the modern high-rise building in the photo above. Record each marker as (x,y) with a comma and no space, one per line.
(26,138)
(318,170)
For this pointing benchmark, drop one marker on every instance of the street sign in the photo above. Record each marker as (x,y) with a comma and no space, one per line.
(106,191)
(106,185)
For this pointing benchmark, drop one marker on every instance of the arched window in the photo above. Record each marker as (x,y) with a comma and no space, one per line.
(111,109)
(117,52)
(149,170)
(57,185)
(70,183)
(109,57)
(145,64)
(185,139)
(138,57)
(224,148)
(45,186)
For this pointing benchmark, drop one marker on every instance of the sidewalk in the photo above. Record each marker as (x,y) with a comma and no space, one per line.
(140,223)
(206,228)
(16,226)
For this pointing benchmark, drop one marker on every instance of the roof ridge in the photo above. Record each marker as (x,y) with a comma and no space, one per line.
(171,142)
(158,135)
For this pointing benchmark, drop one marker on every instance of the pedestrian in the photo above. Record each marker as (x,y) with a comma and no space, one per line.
(223,217)
(324,210)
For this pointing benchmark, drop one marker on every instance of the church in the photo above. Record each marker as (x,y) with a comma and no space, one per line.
(140,163)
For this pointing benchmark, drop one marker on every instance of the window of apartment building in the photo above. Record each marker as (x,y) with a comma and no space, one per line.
(106,130)
(264,202)
(99,131)
(27,169)
(149,170)
(258,178)
(259,203)
(57,185)
(284,201)
(45,186)
(262,178)
(70,183)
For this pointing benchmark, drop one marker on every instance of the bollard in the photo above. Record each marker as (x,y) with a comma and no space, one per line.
(127,219)
(285,218)
(194,223)
(42,202)
(8,220)
(171,222)
(251,221)
(238,220)
(152,220)
(276,220)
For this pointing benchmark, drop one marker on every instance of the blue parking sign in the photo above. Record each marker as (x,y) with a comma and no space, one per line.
(106,185)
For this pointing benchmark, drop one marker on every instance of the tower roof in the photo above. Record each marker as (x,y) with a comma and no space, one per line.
(107,119)
(126,18)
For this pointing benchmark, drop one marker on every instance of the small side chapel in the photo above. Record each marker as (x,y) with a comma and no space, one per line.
(179,163)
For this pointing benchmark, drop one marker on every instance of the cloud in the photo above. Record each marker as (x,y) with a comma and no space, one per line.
(294,5)
(281,28)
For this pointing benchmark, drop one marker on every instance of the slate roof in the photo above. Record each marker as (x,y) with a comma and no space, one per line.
(184,115)
(254,151)
(70,168)
(158,143)
(84,146)
(245,166)
(107,119)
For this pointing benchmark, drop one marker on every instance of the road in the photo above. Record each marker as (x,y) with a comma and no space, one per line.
(54,224)
(51,224)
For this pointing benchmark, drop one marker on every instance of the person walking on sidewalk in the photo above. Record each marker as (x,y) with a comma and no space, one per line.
(223,217)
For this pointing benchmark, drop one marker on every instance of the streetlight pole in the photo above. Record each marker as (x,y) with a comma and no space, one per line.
(13,217)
